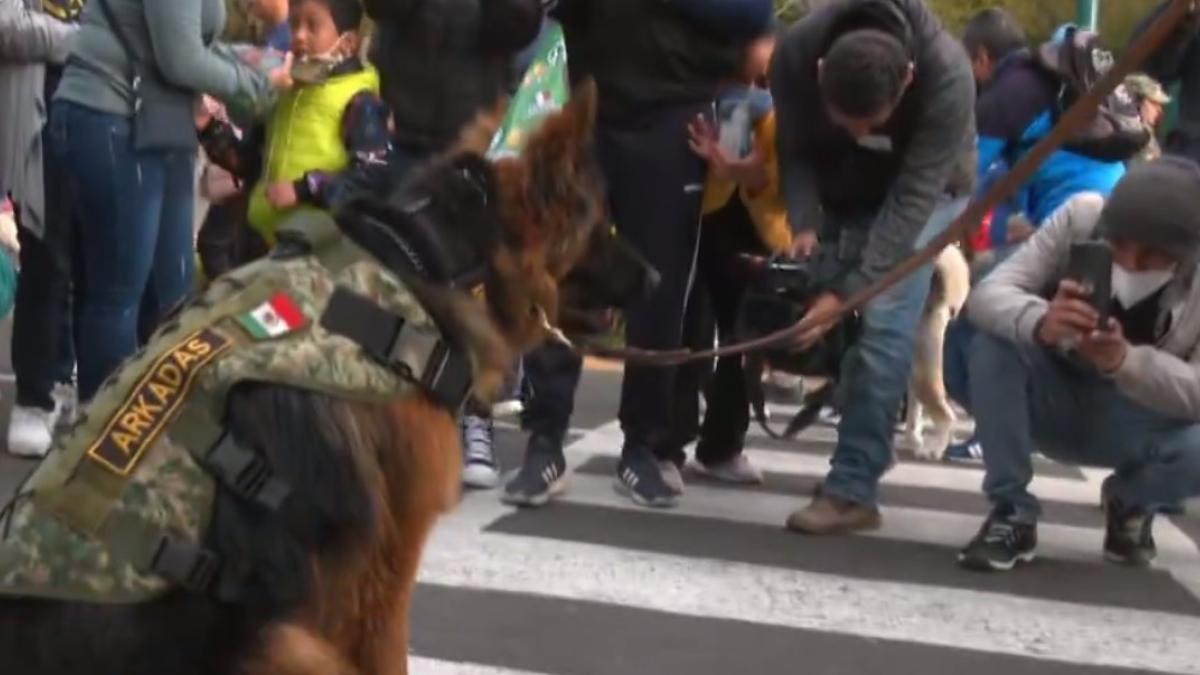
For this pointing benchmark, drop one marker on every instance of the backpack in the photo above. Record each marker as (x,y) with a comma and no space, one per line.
(1078,61)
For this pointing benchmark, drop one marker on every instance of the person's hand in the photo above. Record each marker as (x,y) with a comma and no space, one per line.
(1069,318)
(803,244)
(281,77)
(750,171)
(702,137)
(1105,348)
(825,305)
(208,109)
(282,195)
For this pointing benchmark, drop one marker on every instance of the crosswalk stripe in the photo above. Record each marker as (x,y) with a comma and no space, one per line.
(606,441)
(418,665)
(951,530)
(600,551)
(461,556)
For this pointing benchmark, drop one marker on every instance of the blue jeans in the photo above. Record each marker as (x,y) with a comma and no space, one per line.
(134,258)
(875,376)
(1027,399)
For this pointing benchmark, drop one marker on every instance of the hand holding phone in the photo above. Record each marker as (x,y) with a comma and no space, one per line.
(1091,266)
(1070,317)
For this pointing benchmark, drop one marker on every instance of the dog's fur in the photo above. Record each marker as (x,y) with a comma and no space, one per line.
(927,389)
(334,567)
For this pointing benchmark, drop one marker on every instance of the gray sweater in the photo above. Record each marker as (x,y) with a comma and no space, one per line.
(29,39)
(1011,301)
(177,38)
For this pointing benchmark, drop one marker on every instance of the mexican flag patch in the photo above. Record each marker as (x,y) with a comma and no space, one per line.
(278,316)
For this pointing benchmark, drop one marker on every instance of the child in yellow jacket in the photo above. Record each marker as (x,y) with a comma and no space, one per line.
(743,212)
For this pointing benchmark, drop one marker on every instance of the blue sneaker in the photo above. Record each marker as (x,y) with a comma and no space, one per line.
(967,452)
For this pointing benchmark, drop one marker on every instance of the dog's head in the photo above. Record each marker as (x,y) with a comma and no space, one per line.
(533,229)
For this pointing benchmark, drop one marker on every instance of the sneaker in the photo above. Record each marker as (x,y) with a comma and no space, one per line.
(479,460)
(31,431)
(1001,543)
(542,475)
(737,471)
(640,479)
(827,514)
(1129,536)
(967,452)
(672,476)
(1106,497)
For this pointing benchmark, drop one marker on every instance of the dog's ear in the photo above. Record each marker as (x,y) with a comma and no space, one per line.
(476,137)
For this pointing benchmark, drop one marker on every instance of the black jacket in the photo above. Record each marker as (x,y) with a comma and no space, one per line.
(932,133)
(644,53)
(441,61)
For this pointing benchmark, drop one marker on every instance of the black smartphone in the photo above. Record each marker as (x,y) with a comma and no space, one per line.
(1091,267)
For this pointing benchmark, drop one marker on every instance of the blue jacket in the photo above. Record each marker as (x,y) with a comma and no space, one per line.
(1013,113)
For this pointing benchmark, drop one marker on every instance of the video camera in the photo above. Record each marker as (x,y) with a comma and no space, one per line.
(779,292)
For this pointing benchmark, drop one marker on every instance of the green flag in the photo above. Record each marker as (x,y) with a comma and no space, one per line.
(543,90)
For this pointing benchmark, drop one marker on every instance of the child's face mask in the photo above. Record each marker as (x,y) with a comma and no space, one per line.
(316,68)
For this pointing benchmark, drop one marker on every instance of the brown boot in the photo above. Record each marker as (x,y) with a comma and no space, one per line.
(833,515)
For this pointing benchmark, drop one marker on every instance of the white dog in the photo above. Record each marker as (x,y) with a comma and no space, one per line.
(927,390)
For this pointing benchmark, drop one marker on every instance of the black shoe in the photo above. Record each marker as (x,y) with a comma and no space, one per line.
(1106,497)
(640,479)
(1129,535)
(1000,544)
(542,475)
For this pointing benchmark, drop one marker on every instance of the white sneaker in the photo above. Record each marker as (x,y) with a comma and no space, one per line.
(30,431)
(479,460)
(671,476)
(737,471)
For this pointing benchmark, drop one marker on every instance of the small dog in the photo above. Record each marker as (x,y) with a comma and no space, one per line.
(927,390)
(325,578)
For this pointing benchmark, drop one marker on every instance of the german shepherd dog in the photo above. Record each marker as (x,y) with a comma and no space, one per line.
(335,566)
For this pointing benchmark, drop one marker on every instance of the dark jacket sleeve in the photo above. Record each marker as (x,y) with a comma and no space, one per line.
(797,180)
(1166,63)
(365,133)
(390,10)
(946,128)
(510,25)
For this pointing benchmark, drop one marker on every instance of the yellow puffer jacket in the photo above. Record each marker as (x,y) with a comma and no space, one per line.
(767,207)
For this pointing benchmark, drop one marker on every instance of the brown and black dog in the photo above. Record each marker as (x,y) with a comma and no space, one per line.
(335,566)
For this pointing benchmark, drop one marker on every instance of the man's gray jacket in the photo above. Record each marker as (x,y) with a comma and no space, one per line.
(1011,301)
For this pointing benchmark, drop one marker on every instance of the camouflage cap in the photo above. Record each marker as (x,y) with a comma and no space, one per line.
(1147,88)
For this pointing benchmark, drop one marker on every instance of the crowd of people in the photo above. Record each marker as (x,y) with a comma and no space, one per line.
(851,138)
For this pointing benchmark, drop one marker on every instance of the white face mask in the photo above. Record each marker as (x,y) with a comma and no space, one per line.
(1130,288)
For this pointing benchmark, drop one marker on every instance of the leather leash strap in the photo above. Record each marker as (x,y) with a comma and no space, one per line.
(1076,116)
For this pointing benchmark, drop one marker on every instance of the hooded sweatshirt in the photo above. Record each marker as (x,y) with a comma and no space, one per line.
(931,133)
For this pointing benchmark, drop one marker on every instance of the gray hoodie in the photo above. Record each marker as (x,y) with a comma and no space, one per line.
(1011,301)
(29,39)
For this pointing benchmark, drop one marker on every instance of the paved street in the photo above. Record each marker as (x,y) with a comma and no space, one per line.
(592,585)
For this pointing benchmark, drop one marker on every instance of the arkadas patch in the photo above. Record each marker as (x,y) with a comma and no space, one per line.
(152,404)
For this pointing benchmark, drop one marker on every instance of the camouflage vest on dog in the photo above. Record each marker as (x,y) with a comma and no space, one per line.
(118,511)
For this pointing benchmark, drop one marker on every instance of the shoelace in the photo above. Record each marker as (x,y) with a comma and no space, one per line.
(477,434)
(1002,533)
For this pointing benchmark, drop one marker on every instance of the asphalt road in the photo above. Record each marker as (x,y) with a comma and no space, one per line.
(592,585)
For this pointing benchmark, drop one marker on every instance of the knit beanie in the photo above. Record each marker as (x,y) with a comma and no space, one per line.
(1157,204)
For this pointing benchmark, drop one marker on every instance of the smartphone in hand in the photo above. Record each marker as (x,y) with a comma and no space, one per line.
(1091,267)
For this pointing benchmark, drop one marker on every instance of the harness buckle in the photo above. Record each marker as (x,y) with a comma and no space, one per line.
(188,565)
(245,473)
